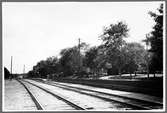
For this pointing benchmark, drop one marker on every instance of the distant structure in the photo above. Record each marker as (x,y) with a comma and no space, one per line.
(21,76)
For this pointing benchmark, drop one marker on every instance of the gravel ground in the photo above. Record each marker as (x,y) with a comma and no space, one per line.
(16,97)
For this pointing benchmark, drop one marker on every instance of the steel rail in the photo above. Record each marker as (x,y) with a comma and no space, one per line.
(38,105)
(77,107)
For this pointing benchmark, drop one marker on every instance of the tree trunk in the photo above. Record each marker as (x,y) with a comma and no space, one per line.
(154,74)
(148,74)
(135,73)
(130,75)
(119,71)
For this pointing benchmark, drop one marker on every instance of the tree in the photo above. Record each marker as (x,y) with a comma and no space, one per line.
(113,39)
(65,61)
(72,60)
(134,56)
(52,65)
(156,41)
(31,74)
(45,67)
(90,59)
(102,59)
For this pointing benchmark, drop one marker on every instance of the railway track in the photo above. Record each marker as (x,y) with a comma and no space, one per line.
(134,103)
(53,102)
(99,103)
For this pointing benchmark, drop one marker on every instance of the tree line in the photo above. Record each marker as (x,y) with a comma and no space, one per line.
(114,56)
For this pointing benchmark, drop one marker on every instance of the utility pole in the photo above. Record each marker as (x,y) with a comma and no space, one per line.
(11,66)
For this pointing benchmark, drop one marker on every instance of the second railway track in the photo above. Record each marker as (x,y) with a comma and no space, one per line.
(136,103)
(133,101)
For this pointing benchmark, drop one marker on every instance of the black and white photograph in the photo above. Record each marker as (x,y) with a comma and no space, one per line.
(84,56)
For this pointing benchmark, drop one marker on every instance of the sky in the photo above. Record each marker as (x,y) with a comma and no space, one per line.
(34,31)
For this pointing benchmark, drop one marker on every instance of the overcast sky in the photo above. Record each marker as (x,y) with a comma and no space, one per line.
(35,31)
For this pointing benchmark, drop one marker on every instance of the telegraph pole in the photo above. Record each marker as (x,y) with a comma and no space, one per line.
(11,66)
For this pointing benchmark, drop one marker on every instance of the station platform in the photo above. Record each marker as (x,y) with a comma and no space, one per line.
(16,97)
